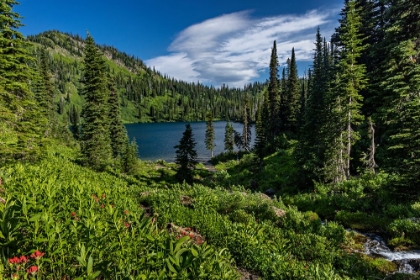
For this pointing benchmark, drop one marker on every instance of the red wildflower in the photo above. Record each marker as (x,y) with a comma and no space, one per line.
(15,276)
(33,269)
(191,235)
(103,196)
(126,212)
(37,255)
(127,225)
(102,206)
(73,214)
(23,259)
(14,260)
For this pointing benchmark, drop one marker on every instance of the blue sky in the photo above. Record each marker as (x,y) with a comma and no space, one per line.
(212,41)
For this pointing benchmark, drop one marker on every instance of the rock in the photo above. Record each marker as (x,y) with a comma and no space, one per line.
(186,200)
(279,212)
(270,192)
(247,275)
(263,196)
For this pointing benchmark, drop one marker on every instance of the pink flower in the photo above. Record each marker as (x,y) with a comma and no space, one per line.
(37,255)
(23,259)
(127,225)
(14,260)
(32,270)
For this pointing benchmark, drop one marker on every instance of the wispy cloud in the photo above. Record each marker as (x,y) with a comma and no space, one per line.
(234,48)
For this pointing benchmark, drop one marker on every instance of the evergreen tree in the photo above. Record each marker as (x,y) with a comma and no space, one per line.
(210,134)
(186,156)
(45,96)
(96,143)
(351,79)
(293,97)
(246,133)
(260,140)
(130,162)
(229,138)
(401,86)
(74,117)
(311,147)
(19,111)
(117,130)
(273,94)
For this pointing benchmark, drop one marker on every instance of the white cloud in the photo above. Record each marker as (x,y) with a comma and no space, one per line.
(234,48)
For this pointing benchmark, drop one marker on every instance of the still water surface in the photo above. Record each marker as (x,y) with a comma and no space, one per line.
(157,140)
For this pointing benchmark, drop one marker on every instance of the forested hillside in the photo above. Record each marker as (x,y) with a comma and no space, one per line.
(145,95)
(330,190)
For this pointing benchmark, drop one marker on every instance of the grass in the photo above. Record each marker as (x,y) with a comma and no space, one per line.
(90,225)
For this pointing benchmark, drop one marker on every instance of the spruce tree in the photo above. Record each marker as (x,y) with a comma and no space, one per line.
(273,94)
(129,158)
(311,147)
(19,111)
(351,78)
(229,138)
(186,156)
(74,117)
(96,143)
(293,97)
(45,97)
(246,132)
(210,134)
(260,139)
(117,130)
(401,86)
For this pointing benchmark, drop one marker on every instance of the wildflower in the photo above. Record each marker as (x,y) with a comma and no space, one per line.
(32,270)
(127,225)
(73,214)
(23,259)
(126,212)
(37,255)
(14,260)
(102,206)
(103,196)
(191,235)
(15,276)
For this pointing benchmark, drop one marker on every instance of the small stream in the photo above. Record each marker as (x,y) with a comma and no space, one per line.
(407,261)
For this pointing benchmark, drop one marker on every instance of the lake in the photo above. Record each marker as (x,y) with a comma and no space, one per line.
(157,140)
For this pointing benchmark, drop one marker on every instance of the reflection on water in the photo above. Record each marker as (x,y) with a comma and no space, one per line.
(157,140)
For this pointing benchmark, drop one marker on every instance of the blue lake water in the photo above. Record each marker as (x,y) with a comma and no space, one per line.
(157,140)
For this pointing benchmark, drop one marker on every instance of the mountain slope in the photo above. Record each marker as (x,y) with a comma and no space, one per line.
(145,94)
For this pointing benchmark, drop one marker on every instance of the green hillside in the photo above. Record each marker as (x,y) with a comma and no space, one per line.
(145,95)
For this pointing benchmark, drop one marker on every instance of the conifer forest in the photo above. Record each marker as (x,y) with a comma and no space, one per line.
(329,189)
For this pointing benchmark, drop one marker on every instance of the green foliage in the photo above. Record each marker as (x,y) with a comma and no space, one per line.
(90,225)
(186,155)
(229,138)
(19,110)
(210,134)
(95,142)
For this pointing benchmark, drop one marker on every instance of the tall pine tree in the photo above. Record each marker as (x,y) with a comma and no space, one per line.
(210,134)
(96,143)
(186,156)
(20,116)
